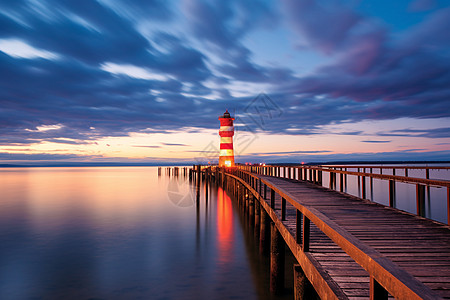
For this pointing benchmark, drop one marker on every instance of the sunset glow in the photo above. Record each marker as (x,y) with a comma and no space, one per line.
(120,82)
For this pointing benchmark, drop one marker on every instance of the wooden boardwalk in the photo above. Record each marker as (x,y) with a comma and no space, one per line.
(353,248)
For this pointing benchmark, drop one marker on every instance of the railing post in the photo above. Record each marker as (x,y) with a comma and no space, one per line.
(299,172)
(260,186)
(420,200)
(272,198)
(377,292)
(363,180)
(391,193)
(305,234)
(341,182)
(283,209)
(276,261)
(265,191)
(331,180)
(298,227)
(448,205)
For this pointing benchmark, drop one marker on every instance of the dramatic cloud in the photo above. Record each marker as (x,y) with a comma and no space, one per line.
(74,72)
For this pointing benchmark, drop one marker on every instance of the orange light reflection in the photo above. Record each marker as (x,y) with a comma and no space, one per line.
(224,226)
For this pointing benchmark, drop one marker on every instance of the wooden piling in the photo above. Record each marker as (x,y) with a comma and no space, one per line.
(251,211)
(276,261)
(301,284)
(264,232)
(257,220)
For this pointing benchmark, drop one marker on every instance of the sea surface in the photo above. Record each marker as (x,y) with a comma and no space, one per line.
(123,233)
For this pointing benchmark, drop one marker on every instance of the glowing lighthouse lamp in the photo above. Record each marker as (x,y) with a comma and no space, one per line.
(226,132)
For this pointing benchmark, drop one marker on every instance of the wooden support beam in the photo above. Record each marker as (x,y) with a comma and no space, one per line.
(264,232)
(302,286)
(251,211)
(257,220)
(276,261)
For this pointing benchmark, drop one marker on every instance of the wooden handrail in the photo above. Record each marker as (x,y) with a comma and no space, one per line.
(405,179)
(395,280)
(387,167)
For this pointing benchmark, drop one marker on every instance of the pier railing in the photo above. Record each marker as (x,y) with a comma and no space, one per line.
(385,276)
(315,175)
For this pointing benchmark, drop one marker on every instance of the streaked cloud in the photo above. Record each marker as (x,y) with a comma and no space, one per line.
(74,73)
(20,49)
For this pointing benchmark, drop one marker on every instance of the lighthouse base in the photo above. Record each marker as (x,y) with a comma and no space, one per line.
(226,161)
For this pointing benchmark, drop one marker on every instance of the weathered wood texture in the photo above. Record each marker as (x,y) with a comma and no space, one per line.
(352,240)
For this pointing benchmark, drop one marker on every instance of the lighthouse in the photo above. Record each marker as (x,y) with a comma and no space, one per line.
(226,132)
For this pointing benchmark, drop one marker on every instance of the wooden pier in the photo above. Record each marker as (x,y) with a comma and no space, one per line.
(346,247)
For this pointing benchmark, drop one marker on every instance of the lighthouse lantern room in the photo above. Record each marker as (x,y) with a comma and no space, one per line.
(226,132)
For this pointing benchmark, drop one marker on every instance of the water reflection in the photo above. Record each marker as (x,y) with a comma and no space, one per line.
(120,233)
(225,236)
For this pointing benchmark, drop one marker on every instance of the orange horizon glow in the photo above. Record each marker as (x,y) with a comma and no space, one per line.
(191,143)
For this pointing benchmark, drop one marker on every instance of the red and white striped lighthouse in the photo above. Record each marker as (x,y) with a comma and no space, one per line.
(226,132)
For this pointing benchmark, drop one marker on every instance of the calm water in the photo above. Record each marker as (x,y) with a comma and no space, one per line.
(122,233)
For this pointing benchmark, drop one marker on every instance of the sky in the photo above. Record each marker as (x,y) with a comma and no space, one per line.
(144,81)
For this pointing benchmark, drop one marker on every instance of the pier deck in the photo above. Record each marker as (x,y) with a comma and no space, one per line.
(360,249)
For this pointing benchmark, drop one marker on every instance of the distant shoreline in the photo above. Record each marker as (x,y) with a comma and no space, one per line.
(168,164)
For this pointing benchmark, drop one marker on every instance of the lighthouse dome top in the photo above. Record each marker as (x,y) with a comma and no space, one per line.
(226,114)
